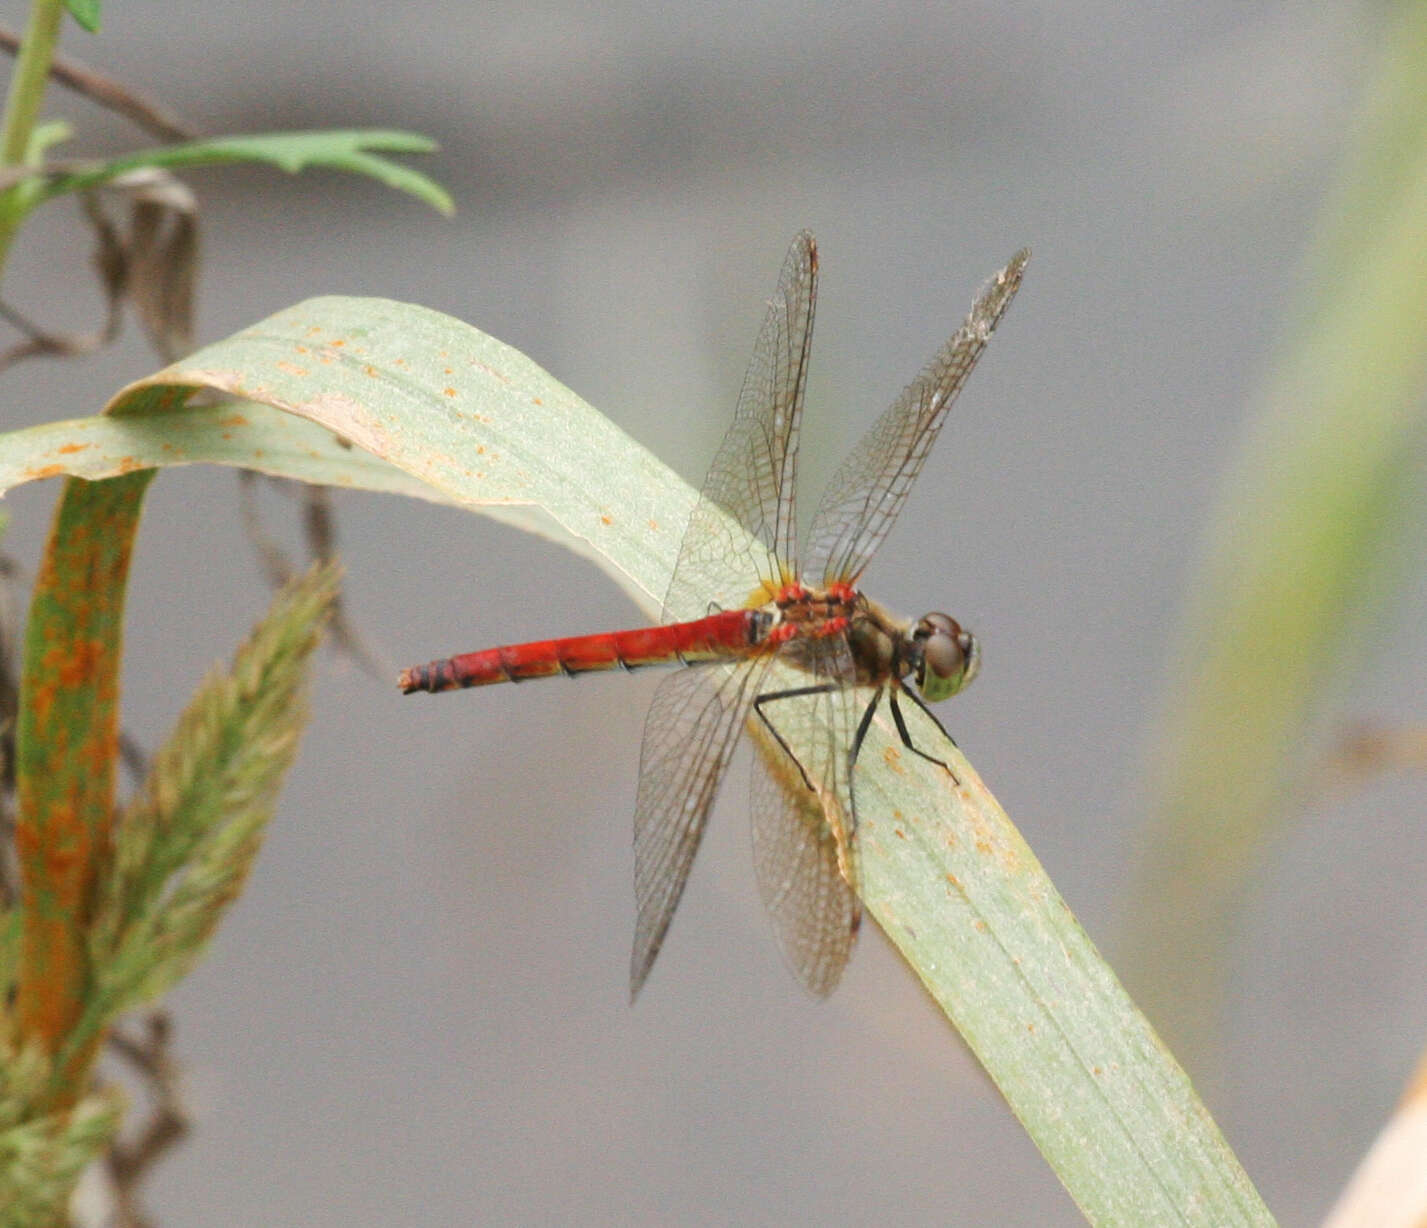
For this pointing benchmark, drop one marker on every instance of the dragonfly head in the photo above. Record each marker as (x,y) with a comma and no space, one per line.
(944,656)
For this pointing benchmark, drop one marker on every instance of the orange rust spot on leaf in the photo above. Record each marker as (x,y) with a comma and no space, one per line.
(42,701)
(606,520)
(291,368)
(370,370)
(70,448)
(79,665)
(28,840)
(100,753)
(46,471)
(66,848)
(448,391)
(339,342)
(536,401)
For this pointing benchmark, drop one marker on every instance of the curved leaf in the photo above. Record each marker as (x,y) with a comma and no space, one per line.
(472,419)
(944,871)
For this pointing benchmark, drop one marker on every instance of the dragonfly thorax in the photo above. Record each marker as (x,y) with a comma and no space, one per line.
(935,652)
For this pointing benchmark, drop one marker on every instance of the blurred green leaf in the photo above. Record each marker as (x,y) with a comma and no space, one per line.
(86,12)
(1302,555)
(354,150)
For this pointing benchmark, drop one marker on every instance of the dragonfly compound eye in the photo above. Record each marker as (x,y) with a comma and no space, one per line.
(949,657)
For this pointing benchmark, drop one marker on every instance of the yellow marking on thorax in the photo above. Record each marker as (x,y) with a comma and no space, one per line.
(767,591)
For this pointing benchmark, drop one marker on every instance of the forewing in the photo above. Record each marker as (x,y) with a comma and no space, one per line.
(866,494)
(689,736)
(751,483)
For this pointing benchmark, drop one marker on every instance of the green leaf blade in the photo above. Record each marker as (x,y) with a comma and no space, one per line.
(86,13)
(66,749)
(462,413)
(953,884)
(352,150)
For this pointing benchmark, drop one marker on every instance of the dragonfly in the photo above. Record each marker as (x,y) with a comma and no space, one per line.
(808,663)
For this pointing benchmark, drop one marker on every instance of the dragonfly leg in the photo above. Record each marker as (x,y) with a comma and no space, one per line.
(773,697)
(905,734)
(862,727)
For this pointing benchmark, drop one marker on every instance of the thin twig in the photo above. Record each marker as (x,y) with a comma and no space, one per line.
(109,93)
(129,1161)
(319,529)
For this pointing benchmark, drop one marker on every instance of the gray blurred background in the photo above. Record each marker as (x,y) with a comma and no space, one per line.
(418,1012)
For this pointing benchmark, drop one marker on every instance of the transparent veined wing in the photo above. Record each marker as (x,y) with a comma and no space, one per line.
(804,850)
(866,494)
(750,485)
(814,910)
(689,736)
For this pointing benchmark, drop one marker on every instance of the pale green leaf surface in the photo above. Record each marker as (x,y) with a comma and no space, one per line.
(942,867)
(951,881)
(242,434)
(472,419)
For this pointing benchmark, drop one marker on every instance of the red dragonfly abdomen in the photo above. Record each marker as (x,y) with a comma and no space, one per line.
(729,633)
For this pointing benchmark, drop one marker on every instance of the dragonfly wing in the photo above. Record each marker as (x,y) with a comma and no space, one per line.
(866,494)
(815,912)
(689,736)
(750,487)
(804,823)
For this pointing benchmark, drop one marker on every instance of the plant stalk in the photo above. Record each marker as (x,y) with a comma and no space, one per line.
(22,108)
